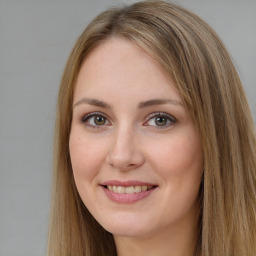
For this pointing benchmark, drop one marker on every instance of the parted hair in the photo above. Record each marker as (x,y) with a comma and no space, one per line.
(193,56)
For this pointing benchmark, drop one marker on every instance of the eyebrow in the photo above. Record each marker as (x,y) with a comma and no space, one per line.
(93,102)
(142,104)
(153,102)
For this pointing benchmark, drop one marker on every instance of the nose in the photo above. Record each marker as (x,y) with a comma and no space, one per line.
(125,153)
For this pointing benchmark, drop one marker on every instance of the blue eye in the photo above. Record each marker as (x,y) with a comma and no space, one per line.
(95,120)
(160,120)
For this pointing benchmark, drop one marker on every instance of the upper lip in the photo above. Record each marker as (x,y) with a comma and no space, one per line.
(126,183)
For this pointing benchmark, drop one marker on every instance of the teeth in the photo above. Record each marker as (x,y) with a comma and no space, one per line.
(128,190)
(120,190)
(144,188)
(137,189)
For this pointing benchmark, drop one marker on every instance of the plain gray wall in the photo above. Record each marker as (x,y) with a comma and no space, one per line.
(35,40)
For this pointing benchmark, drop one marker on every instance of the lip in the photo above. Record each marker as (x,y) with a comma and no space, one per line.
(127,198)
(127,183)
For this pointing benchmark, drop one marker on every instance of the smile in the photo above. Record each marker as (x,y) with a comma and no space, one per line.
(128,190)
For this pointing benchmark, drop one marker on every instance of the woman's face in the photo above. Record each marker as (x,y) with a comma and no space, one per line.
(135,153)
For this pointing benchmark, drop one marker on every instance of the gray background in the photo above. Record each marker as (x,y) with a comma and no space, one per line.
(35,40)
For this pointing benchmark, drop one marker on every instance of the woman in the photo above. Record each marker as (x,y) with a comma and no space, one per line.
(155,144)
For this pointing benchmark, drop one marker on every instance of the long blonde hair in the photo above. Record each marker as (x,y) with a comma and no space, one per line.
(193,56)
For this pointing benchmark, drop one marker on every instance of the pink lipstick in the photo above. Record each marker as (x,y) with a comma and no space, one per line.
(128,191)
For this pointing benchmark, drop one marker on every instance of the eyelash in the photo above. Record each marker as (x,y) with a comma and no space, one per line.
(169,119)
(85,119)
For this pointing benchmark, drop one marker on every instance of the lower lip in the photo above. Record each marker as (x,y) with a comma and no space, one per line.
(127,198)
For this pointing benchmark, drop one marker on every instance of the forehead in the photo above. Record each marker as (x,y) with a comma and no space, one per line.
(120,65)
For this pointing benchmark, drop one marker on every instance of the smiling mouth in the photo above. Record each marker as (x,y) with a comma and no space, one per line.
(129,189)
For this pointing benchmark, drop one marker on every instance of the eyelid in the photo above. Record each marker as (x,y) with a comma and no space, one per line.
(86,117)
(160,114)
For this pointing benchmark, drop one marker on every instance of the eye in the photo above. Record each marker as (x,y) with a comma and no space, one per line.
(95,120)
(160,120)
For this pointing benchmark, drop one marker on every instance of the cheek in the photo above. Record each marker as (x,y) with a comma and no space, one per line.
(179,155)
(179,162)
(86,157)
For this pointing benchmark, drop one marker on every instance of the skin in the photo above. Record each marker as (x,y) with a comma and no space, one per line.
(130,142)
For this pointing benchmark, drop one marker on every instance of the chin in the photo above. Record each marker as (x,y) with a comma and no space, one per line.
(128,226)
(127,231)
